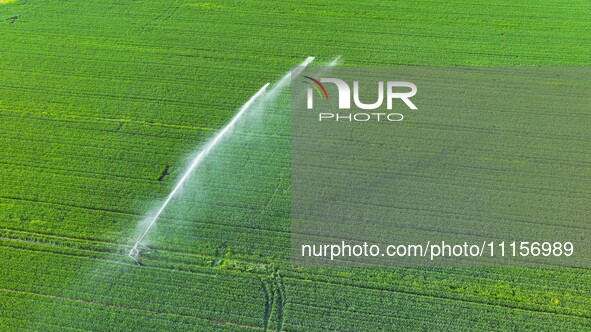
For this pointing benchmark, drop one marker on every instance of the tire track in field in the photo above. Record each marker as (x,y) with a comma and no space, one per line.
(275,300)
(165,16)
(269,294)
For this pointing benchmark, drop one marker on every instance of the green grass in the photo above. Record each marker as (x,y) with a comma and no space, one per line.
(97,98)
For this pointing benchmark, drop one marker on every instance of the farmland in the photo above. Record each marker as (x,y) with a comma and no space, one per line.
(102,105)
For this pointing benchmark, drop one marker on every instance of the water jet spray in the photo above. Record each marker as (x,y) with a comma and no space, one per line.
(135,250)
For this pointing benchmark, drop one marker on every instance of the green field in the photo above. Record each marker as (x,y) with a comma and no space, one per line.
(102,103)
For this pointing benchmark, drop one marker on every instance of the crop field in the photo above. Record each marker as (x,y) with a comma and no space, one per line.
(103,104)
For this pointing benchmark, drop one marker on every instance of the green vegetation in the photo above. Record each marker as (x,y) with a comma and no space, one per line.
(101,103)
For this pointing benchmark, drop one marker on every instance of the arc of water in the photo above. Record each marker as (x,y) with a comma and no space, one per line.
(205,151)
(194,163)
